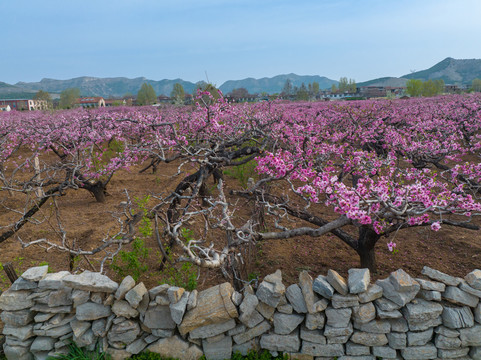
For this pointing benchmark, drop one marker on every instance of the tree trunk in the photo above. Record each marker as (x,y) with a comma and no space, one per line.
(98,191)
(366,243)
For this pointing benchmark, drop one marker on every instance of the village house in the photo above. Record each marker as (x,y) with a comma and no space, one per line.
(24,104)
(90,102)
(5,107)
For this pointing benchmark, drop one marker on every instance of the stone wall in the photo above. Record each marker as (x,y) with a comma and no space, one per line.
(326,318)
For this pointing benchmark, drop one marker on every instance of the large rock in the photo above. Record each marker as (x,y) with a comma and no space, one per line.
(338,317)
(470,336)
(358,280)
(322,287)
(177,310)
(296,299)
(123,308)
(420,338)
(305,283)
(17,353)
(15,300)
(35,273)
(313,336)
(92,311)
(252,333)
(369,339)
(329,350)
(286,343)
(22,284)
(315,321)
(135,295)
(52,281)
(124,332)
(125,286)
(337,282)
(284,324)
(431,285)
(364,313)
(17,318)
(176,348)
(218,350)
(91,281)
(440,276)
(214,305)
(20,332)
(372,293)
(342,301)
(459,297)
(421,310)
(377,326)
(474,279)
(159,317)
(457,317)
(212,330)
(271,289)
(399,298)
(420,352)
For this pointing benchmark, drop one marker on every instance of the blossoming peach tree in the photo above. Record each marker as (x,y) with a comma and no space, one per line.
(377,166)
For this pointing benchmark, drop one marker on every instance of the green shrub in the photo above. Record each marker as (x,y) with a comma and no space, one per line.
(76,353)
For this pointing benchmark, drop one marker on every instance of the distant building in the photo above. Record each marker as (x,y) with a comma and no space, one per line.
(5,108)
(115,102)
(90,102)
(25,104)
(164,99)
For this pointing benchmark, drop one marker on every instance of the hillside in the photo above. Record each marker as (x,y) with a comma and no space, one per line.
(275,84)
(452,71)
(106,87)
(385,81)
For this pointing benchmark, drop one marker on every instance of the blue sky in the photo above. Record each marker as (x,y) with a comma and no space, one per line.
(232,40)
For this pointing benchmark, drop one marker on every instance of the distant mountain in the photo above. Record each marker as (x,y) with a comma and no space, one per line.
(276,83)
(106,87)
(452,71)
(385,81)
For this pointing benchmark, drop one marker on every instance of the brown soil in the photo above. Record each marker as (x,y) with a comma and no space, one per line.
(452,250)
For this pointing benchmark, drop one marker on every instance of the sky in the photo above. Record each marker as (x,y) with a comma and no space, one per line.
(219,40)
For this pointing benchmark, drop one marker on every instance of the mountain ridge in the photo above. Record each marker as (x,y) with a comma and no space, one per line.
(452,71)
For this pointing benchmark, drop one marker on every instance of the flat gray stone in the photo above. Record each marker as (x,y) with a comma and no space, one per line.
(399,298)
(330,331)
(271,289)
(266,310)
(20,332)
(424,325)
(159,317)
(22,284)
(453,353)
(419,338)
(342,301)
(35,273)
(296,299)
(218,350)
(444,342)
(403,282)
(17,353)
(459,297)
(125,286)
(305,283)
(475,353)
(329,350)
(92,311)
(397,340)
(315,321)
(192,302)
(15,300)
(285,343)
(372,293)
(175,293)
(384,352)
(337,282)
(431,285)
(212,330)
(284,309)
(440,276)
(399,325)
(252,333)
(80,297)
(338,317)
(125,332)
(369,339)
(358,280)
(135,295)
(386,305)
(17,318)
(474,279)
(445,331)
(53,281)
(364,313)
(429,295)
(158,290)
(421,310)
(123,308)
(353,349)
(457,317)
(175,348)
(377,326)
(322,287)
(470,290)
(314,336)
(470,336)
(137,346)
(80,327)
(177,310)
(91,281)
(420,352)
(61,297)
(284,324)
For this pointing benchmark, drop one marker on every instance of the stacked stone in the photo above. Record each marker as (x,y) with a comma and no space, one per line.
(396,318)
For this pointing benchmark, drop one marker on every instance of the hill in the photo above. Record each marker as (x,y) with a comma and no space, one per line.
(452,71)
(385,81)
(275,84)
(106,87)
